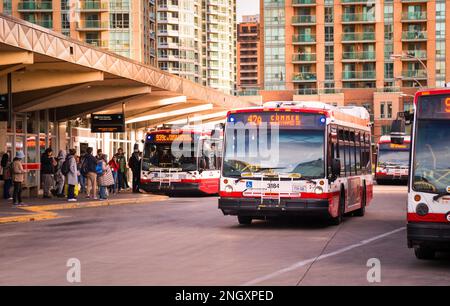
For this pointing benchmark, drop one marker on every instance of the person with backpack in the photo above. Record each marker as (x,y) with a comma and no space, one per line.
(70,166)
(89,170)
(18,177)
(105,176)
(60,177)
(122,179)
(7,176)
(114,165)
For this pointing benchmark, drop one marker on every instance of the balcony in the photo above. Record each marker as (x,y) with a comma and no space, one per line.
(304,77)
(304,39)
(297,3)
(414,1)
(100,43)
(359,56)
(93,6)
(304,58)
(358,75)
(306,91)
(25,6)
(358,37)
(414,36)
(415,74)
(414,16)
(365,2)
(303,20)
(358,18)
(413,55)
(92,25)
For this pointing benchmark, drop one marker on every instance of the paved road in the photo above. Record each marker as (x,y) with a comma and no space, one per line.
(187,241)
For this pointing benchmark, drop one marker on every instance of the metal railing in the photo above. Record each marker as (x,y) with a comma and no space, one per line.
(358,17)
(304,76)
(34,5)
(355,75)
(304,38)
(358,36)
(363,55)
(306,19)
(304,57)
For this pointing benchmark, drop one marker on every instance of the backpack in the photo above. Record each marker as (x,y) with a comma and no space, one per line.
(99,168)
(65,167)
(84,169)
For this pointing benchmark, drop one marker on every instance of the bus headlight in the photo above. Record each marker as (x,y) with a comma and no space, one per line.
(422,209)
(228,189)
(318,190)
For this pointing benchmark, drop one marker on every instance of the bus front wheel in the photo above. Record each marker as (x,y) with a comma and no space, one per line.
(424,253)
(244,220)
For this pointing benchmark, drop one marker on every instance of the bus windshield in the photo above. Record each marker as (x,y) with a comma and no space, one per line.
(160,156)
(432,156)
(297,152)
(393,158)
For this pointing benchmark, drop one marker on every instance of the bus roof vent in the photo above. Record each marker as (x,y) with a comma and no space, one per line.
(356,111)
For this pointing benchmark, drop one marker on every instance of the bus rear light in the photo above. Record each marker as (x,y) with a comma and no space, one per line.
(417,198)
(447,216)
(225,181)
(422,209)
(321,183)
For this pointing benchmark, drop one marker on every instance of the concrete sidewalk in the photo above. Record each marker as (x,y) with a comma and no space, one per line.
(44,209)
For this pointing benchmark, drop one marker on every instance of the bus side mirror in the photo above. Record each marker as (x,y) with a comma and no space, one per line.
(336,168)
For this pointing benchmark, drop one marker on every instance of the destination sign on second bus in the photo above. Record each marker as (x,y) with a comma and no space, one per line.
(282,119)
(167,138)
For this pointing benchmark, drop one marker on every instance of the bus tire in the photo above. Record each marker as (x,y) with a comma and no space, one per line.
(245,220)
(341,210)
(424,253)
(362,211)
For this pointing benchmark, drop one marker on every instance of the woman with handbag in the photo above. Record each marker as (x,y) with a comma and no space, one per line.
(105,179)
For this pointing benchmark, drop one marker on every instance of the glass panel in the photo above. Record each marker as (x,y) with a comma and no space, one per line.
(31,150)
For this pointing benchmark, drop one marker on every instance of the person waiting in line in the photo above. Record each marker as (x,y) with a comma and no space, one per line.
(48,164)
(7,178)
(135,165)
(81,178)
(18,177)
(88,169)
(72,176)
(122,172)
(114,165)
(105,178)
(59,176)
(99,154)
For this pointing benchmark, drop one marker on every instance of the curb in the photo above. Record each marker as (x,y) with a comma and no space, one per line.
(44,212)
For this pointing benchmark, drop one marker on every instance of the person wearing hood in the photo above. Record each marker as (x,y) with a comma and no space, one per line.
(59,176)
(18,176)
(72,176)
(6,167)
(135,165)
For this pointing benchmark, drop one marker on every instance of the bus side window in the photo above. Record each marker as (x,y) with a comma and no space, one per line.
(357,153)
(342,152)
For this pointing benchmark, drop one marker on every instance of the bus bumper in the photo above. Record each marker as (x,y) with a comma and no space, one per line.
(428,234)
(170,188)
(273,208)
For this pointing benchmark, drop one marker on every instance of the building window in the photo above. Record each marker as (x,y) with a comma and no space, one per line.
(329,53)
(386,110)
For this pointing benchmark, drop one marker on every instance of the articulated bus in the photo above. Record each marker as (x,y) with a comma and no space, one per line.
(296,159)
(182,161)
(392,160)
(428,228)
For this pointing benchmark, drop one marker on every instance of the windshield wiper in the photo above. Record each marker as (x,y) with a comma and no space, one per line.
(440,195)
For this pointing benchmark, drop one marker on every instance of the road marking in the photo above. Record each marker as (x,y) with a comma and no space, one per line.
(331,254)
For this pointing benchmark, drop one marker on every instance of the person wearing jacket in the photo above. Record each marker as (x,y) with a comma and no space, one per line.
(7,179)
(122,173)
(88,169)
(18,177)
(114,165)
(59,177)
(48,164)
(105,179)
(72,176)
(135,165)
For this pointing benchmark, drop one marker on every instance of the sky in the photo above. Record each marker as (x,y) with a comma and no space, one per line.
(247,7)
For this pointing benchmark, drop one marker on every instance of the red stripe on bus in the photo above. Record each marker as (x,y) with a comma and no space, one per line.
(303,195)
(440,218)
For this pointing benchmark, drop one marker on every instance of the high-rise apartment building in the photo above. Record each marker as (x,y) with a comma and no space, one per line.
(197,40)
(374,53)
(249,67)
(126,27)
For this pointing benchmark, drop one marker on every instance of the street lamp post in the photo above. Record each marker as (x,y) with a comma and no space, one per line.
(406,55)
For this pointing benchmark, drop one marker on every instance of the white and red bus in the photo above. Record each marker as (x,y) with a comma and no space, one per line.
(296,158)
(428,228)
(182,161)
(392,160)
